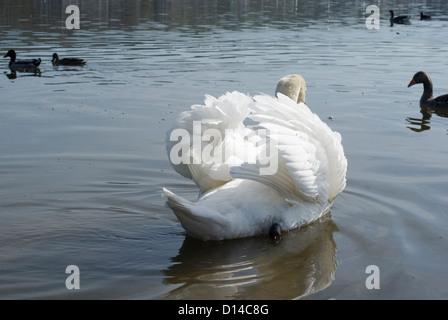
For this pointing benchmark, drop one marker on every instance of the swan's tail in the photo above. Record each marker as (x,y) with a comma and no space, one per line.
(192,222)
(177,203)
(200,222)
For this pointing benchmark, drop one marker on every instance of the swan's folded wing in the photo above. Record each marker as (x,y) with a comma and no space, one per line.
(291,169)
(311,161)
(337,164)
(304,120)
(203,143)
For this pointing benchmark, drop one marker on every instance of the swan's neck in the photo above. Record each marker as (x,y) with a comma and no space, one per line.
(292,86)
(302,95)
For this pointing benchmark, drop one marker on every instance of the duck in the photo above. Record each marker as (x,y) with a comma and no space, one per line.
(67,61)
(263,164)
(427,99)
(21,65)
(399,19)
(424,16)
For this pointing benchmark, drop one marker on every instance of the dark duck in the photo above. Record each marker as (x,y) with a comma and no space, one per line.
(67,61)
(399,19)
(21,65)
(424,16)
(427,99)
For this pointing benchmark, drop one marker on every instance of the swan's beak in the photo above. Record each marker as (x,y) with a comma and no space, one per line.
(411,83)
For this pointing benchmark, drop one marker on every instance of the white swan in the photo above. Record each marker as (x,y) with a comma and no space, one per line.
(259,162)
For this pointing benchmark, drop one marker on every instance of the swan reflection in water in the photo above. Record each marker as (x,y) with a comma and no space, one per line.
(302,263)
(423,123)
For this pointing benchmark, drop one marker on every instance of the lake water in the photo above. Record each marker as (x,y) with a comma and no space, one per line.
(83,160)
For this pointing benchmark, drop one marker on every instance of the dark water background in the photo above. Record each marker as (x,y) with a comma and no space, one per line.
(83,161)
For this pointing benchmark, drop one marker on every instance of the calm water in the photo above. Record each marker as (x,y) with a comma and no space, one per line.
(83,161)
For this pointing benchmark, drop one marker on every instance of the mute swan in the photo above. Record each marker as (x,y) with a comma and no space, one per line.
(21,64)
(271,165)
(67,61)
(427,99)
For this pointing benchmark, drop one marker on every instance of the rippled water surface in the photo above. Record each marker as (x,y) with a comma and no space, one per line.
(83,160)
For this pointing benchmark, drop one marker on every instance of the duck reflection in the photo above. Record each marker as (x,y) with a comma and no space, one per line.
(13,72)
(302,263)
(423,123)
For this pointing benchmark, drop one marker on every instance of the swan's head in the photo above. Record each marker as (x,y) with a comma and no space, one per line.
(419,77)
(293,86)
